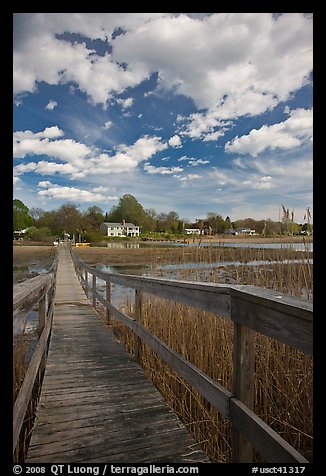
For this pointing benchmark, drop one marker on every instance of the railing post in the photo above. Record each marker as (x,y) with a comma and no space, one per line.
(108,299)
(138,319)
(94,289)
(41,314)
(86,282)
(243,386)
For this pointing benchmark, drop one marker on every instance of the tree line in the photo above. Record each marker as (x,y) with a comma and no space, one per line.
(41,225)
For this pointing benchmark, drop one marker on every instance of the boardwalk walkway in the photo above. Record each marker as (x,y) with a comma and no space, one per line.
(96,403)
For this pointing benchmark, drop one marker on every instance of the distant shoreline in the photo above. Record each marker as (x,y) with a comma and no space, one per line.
(255,239)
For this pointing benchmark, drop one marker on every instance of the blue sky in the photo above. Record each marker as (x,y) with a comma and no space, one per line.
(189,112)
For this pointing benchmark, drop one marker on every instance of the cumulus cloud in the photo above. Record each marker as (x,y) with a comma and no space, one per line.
(79,159)
(229,63)
(192,162)
(108,124)
(53,191)
(204,125)
(175,141)
(289,134)
(125,103)
(26,143)
(151,169)
(51,105)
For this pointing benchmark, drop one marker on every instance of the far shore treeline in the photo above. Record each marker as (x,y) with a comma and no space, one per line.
(41,225)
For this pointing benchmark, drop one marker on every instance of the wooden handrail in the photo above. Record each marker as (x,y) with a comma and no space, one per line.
(35,291)
(261,310)
(285,318)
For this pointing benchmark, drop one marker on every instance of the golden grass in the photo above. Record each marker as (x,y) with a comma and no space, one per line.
(283,375)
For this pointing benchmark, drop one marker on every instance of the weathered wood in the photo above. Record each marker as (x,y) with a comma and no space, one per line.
(108,299)
(28,291)
(243,380)
(276,315)
(26,296)
(269,444)
(215,393)
(285,318)
(96,400)
(94,288)
(138,318)
(25,392)
(208,297)
(41,314)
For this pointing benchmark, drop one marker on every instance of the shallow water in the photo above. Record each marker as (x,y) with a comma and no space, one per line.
(302,246)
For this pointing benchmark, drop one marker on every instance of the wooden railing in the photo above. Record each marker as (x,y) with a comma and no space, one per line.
(35,292)
(252,309)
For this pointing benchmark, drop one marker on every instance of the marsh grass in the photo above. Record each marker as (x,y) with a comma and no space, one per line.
(283,375)
(22,351)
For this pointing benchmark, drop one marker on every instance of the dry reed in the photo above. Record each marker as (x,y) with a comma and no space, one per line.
(283,375)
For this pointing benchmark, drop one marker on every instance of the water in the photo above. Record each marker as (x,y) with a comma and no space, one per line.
(301,246)
(216,264)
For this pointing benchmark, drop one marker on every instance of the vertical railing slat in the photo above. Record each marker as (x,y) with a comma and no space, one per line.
(94,289)
(243,386)
(108,299)
(138,318)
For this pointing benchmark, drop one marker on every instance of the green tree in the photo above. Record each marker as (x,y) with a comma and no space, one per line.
(130,210)
(66,219)
(21,216)
(216,222)
(93,218)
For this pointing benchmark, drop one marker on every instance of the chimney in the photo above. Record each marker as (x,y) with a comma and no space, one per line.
(123,222)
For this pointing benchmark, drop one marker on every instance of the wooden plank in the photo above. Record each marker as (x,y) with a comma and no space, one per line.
(269,444)
(138,318)
(215,393)
(88,447)
(108,299)
(208,297)
(243,380)
(24,395)
(95,399)
(31,290)
(24,303)
(284,318)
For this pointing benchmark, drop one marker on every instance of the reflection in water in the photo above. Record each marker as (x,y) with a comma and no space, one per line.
(302,246)
(115,244)
(233,263)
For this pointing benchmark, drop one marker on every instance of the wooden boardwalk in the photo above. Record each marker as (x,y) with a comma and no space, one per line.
(96,403)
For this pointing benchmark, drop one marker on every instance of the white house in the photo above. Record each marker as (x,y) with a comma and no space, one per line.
(192,231)
(119,229)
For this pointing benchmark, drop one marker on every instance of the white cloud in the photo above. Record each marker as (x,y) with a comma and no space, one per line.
(80,160)
(53,191)
(187,178)
(125,103)
(151,169)
(108,124)
(203,125)
(196,162)
(224,55)
(51,105)
(175,141)
(44,167)
(229,63)
(27,143)
(192,161)
(289,134)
